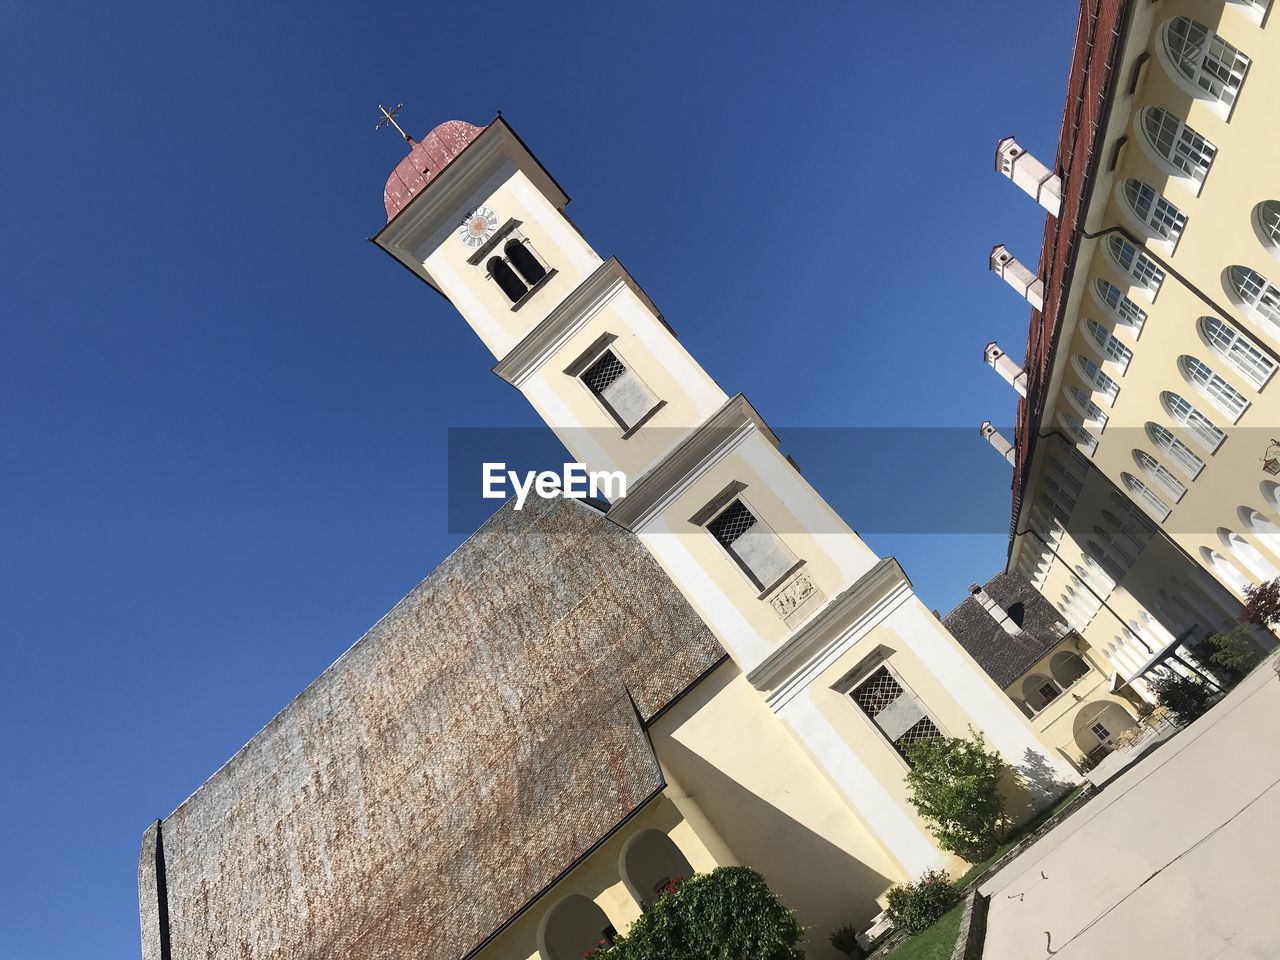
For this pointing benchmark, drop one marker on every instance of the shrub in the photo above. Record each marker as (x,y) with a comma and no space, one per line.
(846,941)
(1234,652)
(1262,603)
(1183,697)
(955,785)
(914,907)
(727,913)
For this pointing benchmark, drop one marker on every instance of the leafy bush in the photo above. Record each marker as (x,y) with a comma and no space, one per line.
(1234,652)
(846,941)
(955,785)
(914,907)
(1183,697)
(727,913)
(1262,603)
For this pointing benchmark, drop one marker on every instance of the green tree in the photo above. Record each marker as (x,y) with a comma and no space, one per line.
(1234,652)
(727,914)
(1183,697)
(955,785)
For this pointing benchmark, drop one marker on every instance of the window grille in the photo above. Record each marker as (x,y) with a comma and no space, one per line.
(1092,412)
(1132,512)
(732,523)
(1252,364)
(602,374)
(897,714)
(1178,451)
(1091,372)
(1155,469)
(1205,59)
(1266,216)
(1180,146)
(1119,551)
(1206,433)
(1162,217)
(1101,732)
(1141,268)
(1256,292)
(1225,396)
(1111,348)
(1159,509)
(1120,306)
(1077,430)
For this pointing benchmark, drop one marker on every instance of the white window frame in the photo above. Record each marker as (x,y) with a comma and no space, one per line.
(1093,374)
(1255,293)
(1112,299)
(1245,357)
(1074,427)
(1202,63)
(587,361)
(863,676)
(1186,459)
(1266,224)
(1094,415)
(1141,270)
(719,506)
(1213,387)
(1153,504)
(1178,149)
(1203,430)
(1151,212)
(1158,472)
(1110,348)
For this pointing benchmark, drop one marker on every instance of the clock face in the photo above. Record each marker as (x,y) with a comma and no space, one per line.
(477,226)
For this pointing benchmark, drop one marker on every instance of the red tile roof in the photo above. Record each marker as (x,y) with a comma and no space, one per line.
(425,161)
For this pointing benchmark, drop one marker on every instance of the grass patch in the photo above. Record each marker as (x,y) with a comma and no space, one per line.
(935,943)
(1017,837)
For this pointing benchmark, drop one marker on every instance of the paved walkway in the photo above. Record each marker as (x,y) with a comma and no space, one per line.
(1178,857)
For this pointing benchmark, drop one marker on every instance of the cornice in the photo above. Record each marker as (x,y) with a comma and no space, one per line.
(705,446)
(830,632)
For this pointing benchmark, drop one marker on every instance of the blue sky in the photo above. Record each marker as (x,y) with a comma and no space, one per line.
(224,412)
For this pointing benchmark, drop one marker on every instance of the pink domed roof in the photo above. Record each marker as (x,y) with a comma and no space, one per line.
(425,161)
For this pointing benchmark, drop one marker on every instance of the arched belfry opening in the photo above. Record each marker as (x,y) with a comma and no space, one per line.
(524,261)
(507,279)
(651,864)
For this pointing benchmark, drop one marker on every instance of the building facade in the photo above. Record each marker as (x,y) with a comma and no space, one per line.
(1145,487)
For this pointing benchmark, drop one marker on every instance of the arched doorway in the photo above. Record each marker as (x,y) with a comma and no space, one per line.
(573,927)
(650,863)
(1098,724)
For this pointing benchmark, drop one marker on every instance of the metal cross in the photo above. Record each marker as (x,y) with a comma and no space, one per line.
(389,117)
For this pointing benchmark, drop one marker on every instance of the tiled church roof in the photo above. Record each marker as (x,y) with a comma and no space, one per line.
(1003,657)
(478,739)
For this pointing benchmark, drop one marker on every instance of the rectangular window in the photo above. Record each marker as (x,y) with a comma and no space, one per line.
(894,710)
(619,390)
(756,548)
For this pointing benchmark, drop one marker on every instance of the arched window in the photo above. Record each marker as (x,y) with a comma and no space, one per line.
(1266,221)
(1059,496)
(651,865)
(1267,533)
(1157,507)
(1068,478)
(1130,538)
(1039,691)
(1226,397)
(1109,346)
(1113,546)
(524,261)
(1158,215)
(1140,268)
(1256,292)
(1119,306)
(1077,431)
(1095,575)
(1132,513)
(1248,555)
(1093,414)
(1241,352)
(1211,67)
(1158,472)
(1203,430)
(574,927)
(1095,377)
(1226,573)
(1181,149)
(1067,668)
(1103,560)
(507,279)
(1178,451)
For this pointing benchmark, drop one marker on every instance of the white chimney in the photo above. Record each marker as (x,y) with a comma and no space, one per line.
(998,613)
(1003,364)
(1030,174)
(1012,271)
(1003,446)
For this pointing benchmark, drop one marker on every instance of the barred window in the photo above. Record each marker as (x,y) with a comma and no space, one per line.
(1140,267)
(1120,306)
(1092,412)
(1266,220)
(1255,292)
(1179,452)
(1162,218)
(1077,431)
(1158,472)
(1226,397)
(752,544)
(623,394)
(895,711)
(1241,352)
(1095,377)
(1213,67)
(1178,145)
(1203,430)
(1111,348)
(1157,507)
